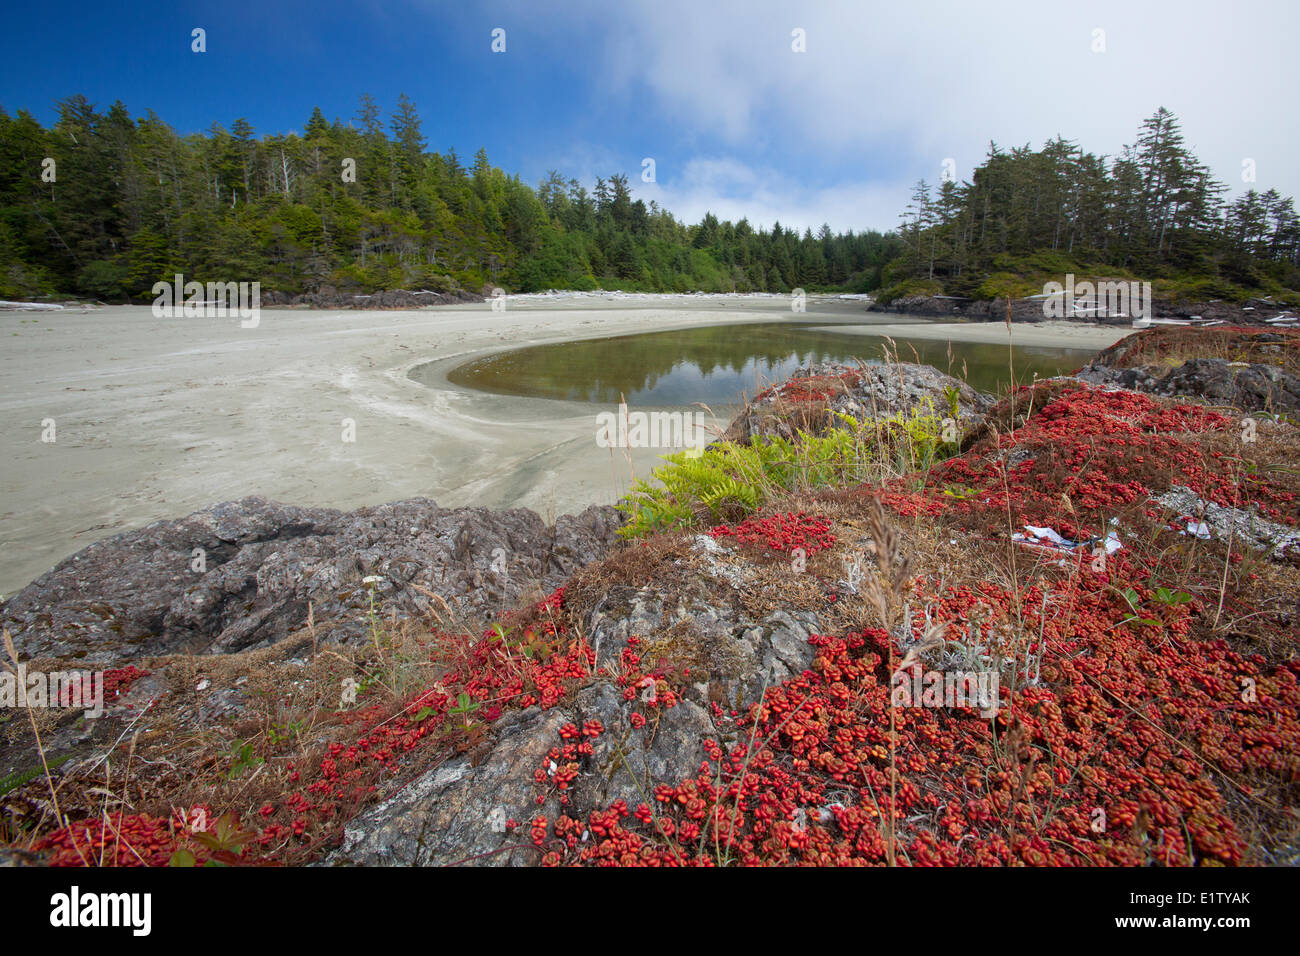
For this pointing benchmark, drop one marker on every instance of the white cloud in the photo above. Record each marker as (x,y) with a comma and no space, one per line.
(905,85)
(733,190)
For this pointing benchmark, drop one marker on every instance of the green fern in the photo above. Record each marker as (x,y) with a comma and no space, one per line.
(725,478)
(19,777)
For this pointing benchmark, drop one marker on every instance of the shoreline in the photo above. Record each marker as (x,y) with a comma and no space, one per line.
(158,418)
(1043,334)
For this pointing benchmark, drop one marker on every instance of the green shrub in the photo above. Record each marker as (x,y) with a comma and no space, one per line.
(726,480)
(909,287)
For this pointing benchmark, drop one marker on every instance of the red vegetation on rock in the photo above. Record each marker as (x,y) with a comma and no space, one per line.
(115,683)
(1124,746)
(812,388)
(782,532)
(1119,739)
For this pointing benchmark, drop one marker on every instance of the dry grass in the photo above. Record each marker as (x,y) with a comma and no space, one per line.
(654,558)
(289,709)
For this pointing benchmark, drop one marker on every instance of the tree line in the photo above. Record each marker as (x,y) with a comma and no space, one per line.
(1153,211)
(104,205)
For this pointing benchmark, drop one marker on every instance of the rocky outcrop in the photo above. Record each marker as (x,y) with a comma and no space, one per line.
(867,391)
(390,299)
(457,812)
(242,574)
(1246,386)
(1243,525)
(979,310)
(1253,312)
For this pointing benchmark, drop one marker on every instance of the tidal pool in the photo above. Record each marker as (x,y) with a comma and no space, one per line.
(722,365)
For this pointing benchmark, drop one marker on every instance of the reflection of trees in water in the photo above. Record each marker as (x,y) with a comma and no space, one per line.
(600,370)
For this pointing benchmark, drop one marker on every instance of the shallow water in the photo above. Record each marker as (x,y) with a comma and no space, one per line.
(720,365)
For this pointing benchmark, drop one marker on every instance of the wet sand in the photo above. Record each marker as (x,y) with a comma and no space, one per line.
(156,418)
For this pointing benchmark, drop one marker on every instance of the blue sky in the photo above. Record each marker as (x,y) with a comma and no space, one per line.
(735,119)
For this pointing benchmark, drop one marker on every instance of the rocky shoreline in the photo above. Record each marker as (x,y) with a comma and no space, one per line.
(1251,312)
(615,675)
(242,574)
(329,298)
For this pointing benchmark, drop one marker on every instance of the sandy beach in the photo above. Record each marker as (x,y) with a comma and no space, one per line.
(154,418)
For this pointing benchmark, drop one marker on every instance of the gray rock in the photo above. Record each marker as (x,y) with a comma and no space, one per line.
(878,391)
(1277,541)
(449,293)
(1250,312)
(629,763)
(740,657)
(1249,387)
(263,563)
(454,813)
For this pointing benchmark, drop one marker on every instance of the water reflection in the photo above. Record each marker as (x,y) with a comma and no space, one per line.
(718,365)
